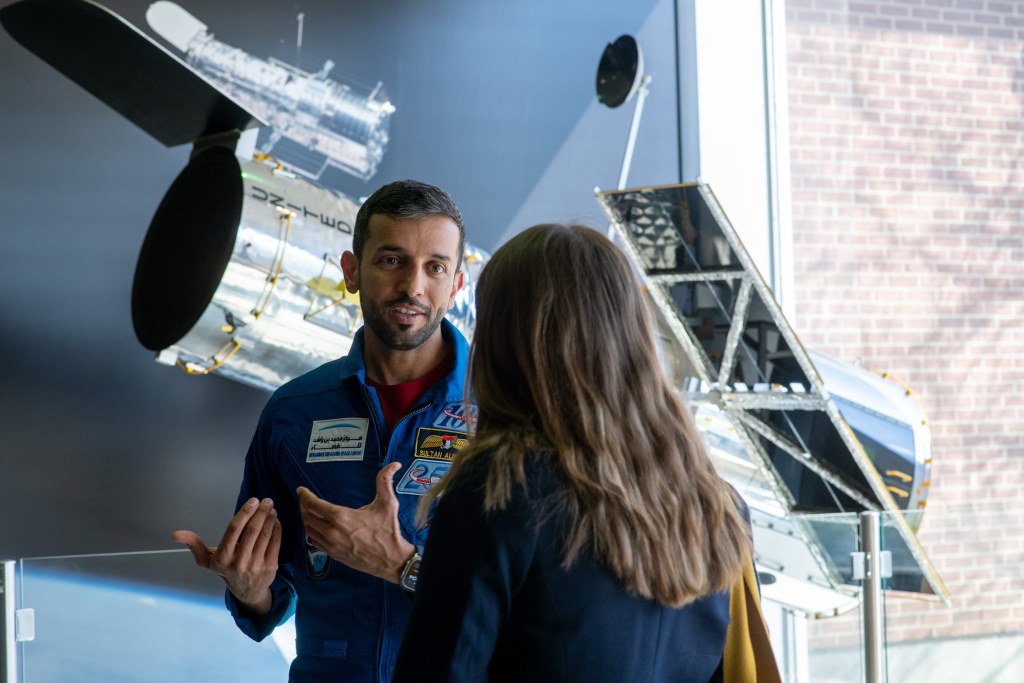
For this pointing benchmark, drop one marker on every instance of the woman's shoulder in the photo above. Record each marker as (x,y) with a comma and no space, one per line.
(530,479)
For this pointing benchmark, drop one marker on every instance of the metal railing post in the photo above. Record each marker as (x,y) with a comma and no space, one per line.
(871,602)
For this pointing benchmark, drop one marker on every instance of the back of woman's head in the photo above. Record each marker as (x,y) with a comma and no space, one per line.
(564,367)
(562,332)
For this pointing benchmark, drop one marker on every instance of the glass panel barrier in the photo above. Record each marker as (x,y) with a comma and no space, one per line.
(835,639)
(977,637)
(154,616)
(149,616)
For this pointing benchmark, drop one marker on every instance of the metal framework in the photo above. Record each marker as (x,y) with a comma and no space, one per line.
(746,373)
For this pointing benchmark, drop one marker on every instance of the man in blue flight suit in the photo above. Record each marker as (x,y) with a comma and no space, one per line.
(322,530)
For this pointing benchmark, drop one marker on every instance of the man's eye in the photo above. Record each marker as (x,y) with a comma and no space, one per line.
(389,260)
(438,269)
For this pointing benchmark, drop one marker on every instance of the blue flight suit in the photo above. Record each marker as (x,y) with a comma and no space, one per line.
(326,431)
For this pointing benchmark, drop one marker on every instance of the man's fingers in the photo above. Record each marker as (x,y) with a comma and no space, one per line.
(312,506)
(186,537)
(388,471)
(244,528)
(265,533)
(237,523)
(274,546)
(200,552)
(306,497)
(386,483)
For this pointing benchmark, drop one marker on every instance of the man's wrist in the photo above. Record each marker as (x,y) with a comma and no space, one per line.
(255,606)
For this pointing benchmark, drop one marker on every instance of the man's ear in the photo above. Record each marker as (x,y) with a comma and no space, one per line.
(460,279)
(350,268)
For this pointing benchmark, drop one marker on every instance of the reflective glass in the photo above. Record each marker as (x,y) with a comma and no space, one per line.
(137,617)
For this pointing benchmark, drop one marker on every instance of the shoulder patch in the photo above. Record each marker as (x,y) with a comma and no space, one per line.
(420,475)
(317,561)
(453,417)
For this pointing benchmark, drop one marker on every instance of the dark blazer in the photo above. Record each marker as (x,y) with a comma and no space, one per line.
(494,603)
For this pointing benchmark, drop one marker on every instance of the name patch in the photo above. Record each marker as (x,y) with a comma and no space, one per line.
(438,444)
(340,439)
(421,475)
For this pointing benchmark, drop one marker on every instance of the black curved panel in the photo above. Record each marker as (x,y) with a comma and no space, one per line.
(126,69)
(187,248)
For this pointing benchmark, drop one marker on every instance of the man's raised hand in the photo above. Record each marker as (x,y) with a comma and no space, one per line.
(246,558)
(368,539)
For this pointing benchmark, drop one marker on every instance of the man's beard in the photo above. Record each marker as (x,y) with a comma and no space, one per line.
(402,338)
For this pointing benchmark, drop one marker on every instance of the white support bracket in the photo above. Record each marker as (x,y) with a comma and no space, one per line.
(24,625)
(860,560)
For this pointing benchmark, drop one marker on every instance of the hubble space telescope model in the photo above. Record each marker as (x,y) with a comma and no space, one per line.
(314,122)
(239,273)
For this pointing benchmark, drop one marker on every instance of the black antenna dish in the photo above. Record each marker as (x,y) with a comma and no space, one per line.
(620,75)
(620,72)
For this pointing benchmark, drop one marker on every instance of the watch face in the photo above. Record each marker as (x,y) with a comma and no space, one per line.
(411,573)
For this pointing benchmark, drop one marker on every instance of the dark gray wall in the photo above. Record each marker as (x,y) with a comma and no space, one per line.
(104,450)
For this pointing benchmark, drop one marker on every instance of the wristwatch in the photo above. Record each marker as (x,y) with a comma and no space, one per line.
(410,573)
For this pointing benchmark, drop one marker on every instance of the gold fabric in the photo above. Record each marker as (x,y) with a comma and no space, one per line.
(748,656)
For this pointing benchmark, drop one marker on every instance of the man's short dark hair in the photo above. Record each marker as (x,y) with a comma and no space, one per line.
(407,199)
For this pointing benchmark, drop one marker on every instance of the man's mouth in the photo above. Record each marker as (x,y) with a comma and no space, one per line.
(407,312)
(401,310)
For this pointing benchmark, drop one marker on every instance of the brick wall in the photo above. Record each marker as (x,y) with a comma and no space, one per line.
(907,132)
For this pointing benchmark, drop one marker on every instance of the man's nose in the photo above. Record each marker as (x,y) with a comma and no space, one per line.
(413,282)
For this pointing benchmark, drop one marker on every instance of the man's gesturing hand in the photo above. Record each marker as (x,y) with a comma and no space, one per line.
(368,539)
(247,555)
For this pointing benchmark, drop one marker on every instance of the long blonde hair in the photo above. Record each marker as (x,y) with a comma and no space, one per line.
(564,366)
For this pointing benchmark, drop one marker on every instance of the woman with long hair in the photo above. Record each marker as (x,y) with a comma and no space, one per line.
(583,534)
